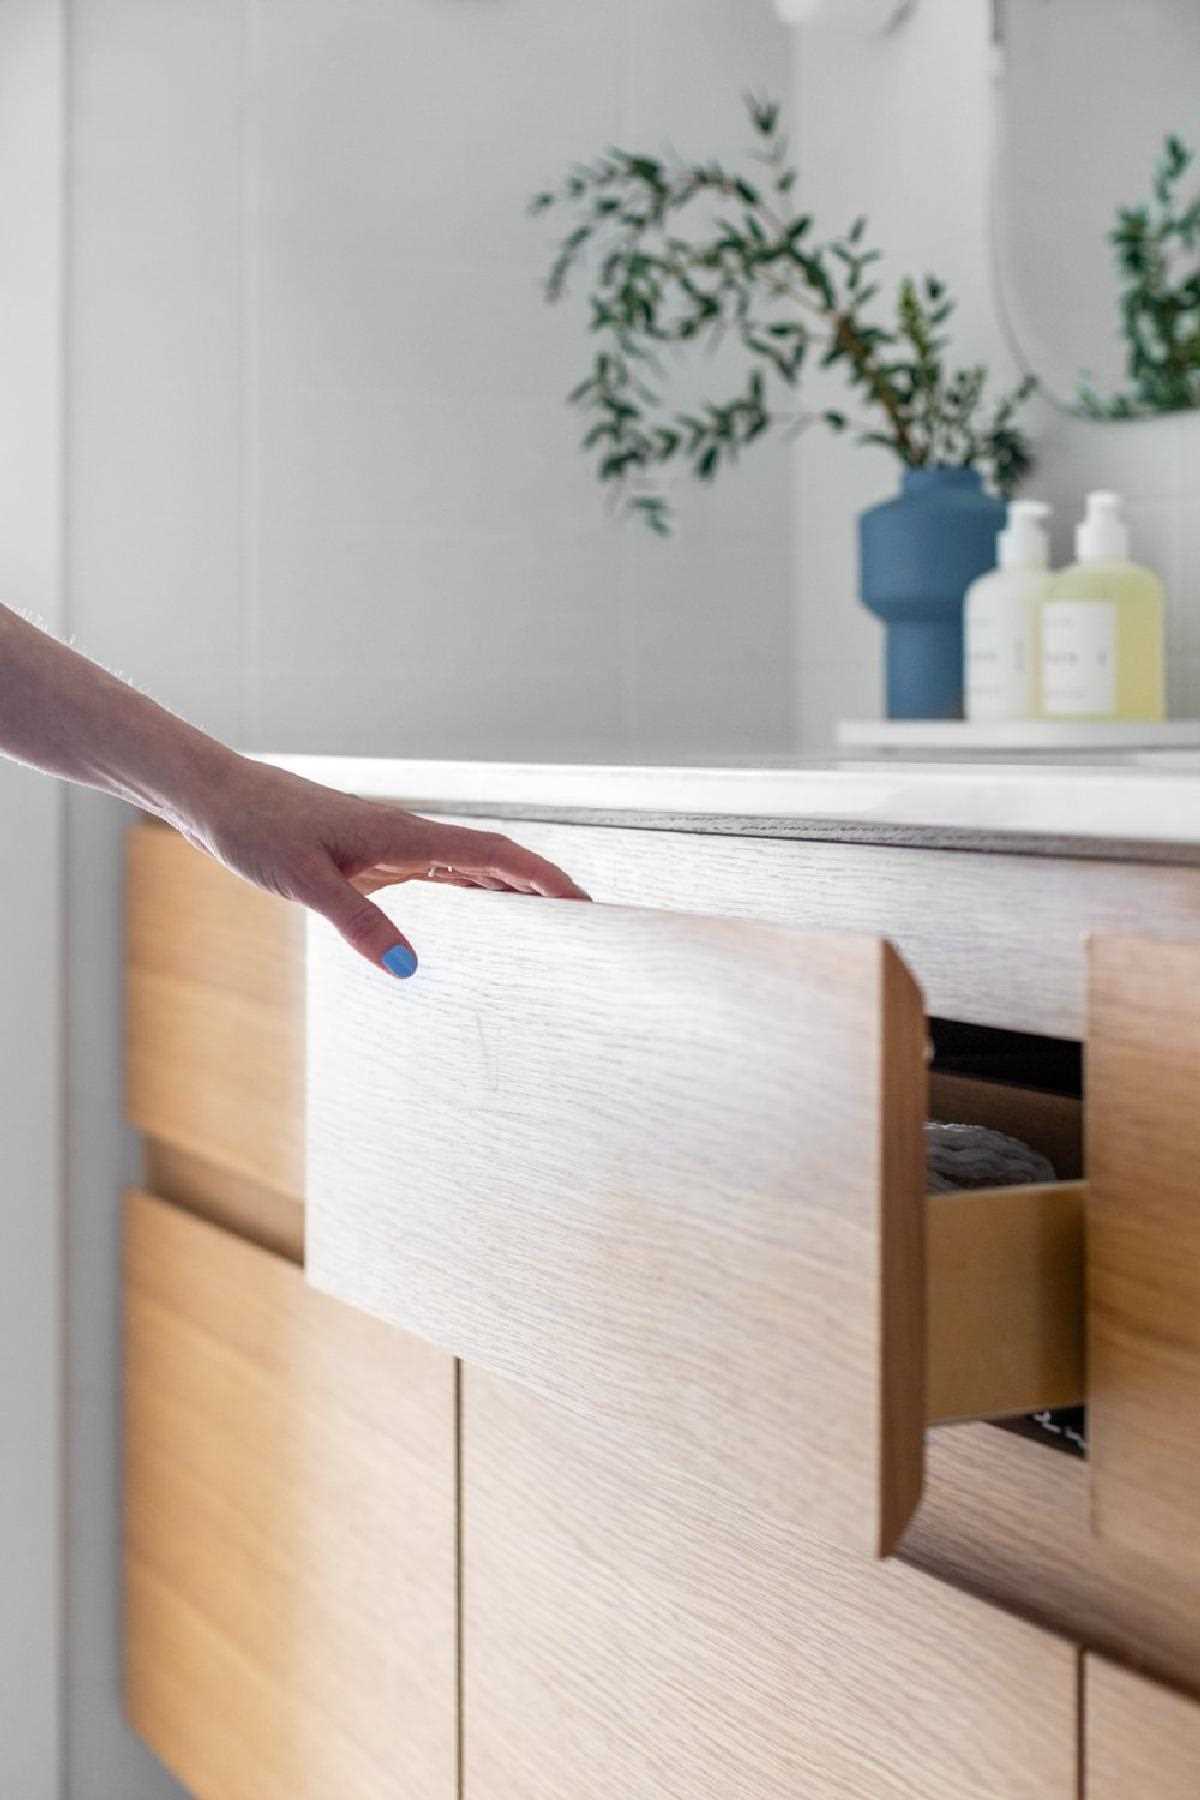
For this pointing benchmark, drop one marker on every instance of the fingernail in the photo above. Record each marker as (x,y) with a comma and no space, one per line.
(400,961)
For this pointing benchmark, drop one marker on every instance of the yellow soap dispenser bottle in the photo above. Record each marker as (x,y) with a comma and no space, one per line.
(1102,627)
(1002,617)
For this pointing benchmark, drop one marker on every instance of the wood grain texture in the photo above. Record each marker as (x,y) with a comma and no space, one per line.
(214,1012)
(993,939)
(631,1635)
(1142,1742)
(1144,1246)
(289,1529)
(1007,1518)
(649,1163)
(1006,1301)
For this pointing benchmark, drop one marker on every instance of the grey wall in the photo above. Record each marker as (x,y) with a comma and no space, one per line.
(31,984)
(322,493)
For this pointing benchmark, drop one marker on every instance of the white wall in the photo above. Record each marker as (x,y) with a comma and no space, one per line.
(322,491)
(898,128)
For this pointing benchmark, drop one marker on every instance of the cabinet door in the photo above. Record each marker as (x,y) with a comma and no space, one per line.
(629,1635)
(290,1594)
(1144,1247)
(1141,1742)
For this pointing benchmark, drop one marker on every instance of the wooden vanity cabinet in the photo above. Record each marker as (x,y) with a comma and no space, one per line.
(622,1549)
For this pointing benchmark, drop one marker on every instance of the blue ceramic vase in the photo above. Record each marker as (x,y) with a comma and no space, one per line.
(919,553)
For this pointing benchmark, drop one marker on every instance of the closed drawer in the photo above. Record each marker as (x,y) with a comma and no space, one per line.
(627,1638)
(671,1169)
(215,1038)
(289,1502)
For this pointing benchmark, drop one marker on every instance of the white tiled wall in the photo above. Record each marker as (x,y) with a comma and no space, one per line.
(327,494)
(898,128)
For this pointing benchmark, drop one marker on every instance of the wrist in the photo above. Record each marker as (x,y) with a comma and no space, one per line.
(189,780)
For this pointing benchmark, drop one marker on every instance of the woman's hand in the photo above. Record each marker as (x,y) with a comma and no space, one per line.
(329,851)
(64,714)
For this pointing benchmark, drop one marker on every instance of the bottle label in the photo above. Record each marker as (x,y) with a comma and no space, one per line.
(1079,658)
(997,667)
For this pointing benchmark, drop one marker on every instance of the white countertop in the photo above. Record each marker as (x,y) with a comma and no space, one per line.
(1141,808)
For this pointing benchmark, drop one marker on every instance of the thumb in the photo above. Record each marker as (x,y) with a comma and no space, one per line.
(365,927)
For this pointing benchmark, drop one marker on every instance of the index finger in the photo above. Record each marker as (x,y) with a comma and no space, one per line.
(491,853)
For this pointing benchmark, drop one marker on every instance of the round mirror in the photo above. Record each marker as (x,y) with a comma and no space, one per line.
(1097,199)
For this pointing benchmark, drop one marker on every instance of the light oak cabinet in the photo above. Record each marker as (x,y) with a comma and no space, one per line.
(1141,1742)
(656,1178)
(290,1516)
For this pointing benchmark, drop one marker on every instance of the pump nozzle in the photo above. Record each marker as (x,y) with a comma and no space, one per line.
(1024,543)
(1103,535)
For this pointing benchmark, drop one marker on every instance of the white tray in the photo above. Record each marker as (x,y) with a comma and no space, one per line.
(1033,737)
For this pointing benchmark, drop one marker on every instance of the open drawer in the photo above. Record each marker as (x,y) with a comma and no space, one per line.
(672,1168)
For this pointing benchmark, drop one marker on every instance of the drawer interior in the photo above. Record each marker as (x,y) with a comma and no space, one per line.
(1031,1088)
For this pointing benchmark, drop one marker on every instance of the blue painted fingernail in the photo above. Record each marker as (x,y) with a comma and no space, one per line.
(400,961)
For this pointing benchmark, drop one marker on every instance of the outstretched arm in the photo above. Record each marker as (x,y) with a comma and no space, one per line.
(66,715)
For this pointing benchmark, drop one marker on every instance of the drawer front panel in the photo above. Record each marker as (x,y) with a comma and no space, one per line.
(1144,1247)
(626,1638)
(1141,1742)
(664,1166)
(290,1595)
(998,940)
(215,1014)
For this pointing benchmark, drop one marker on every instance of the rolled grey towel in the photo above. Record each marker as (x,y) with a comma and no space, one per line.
(971,1156)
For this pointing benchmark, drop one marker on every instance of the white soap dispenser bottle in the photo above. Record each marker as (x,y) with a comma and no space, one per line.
(1001,622)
